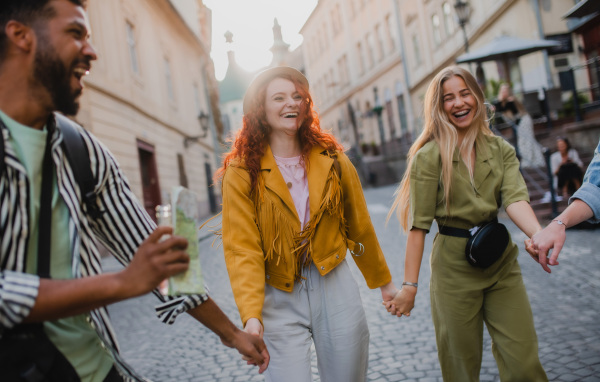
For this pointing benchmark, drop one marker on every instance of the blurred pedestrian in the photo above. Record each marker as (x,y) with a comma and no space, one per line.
(513,111)
(292,206)
(566,167)
(54,325)
(459,173)
(583,205)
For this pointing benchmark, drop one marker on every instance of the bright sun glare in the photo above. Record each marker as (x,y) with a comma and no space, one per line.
(251,23)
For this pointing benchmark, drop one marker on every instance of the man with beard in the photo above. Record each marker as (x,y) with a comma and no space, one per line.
(44,53)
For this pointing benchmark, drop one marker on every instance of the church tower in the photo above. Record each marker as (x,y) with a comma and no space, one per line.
(279,49)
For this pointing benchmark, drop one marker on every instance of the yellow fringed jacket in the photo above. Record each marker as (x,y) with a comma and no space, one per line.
(261,230)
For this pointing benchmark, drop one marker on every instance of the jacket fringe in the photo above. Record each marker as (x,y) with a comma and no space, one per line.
(278,233)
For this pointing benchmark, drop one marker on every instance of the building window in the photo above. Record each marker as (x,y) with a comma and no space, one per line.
(334,27)
(132,48)
(401,107)
(169,80)
(338,12)
(343,70)
(361,57)
(380,48)
(387,97)
(390,33)
(334,82)
(448,20)
(346,70)
(435,29)
(416,50)
(336,19)
(321,48)
(370,49)
(197,99)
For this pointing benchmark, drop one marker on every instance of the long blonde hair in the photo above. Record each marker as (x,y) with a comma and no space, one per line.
(439,128)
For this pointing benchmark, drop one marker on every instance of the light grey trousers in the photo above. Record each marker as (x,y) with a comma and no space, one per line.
(326,310)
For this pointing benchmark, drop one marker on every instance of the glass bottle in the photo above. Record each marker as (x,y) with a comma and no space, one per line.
(164,218)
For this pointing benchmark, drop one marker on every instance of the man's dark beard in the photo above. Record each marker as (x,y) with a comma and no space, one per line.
(54,76)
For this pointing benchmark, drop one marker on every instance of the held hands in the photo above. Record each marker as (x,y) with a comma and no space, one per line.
(403,302)
(155,261)
(388,291)
(254,330)
(539,246)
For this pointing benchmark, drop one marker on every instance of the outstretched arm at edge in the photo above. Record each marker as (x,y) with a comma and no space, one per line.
(553,236)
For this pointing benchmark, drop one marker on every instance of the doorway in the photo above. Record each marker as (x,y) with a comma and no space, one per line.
(149,173)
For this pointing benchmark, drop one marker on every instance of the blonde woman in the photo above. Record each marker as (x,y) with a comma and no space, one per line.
(459,174)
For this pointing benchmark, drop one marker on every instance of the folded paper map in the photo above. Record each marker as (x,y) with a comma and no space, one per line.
(184,204)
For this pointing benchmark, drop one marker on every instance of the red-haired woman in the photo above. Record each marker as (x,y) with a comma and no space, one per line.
(292,206)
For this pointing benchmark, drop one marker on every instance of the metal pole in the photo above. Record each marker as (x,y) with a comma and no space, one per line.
(464,29)
(378,109)
(547,109)
(381,133)
(576,105)
(514,129)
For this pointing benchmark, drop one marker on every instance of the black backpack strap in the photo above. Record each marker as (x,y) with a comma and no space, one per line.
(45,216)
(79,159)
(2,160)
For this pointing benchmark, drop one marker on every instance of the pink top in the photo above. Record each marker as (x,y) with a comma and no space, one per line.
(294,174)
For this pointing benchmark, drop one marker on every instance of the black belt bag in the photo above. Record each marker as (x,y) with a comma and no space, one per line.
(486,243)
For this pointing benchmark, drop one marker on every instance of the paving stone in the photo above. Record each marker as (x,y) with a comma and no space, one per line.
(568,378)
(564,303)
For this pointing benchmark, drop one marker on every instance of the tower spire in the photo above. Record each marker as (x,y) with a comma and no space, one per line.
(279,49)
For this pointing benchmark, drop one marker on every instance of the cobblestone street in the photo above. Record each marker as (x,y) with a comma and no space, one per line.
(566,307)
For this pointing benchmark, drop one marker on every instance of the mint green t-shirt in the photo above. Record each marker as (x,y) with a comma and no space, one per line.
(73,336)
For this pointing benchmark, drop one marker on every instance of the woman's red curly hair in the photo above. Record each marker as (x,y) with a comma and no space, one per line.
(249,143)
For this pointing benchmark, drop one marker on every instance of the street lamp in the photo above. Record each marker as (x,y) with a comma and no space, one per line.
(204,120)
(463,13)
(378,109)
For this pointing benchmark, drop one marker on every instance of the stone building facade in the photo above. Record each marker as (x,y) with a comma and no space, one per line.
(144,95)
(370,61)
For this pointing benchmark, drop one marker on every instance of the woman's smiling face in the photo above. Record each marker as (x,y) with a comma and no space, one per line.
(283,106)
(459,103)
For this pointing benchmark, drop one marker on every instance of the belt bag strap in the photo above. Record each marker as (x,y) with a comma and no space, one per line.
(461,232)
(456,232)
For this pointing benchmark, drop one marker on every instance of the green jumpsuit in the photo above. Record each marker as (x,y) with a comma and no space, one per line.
(464,297)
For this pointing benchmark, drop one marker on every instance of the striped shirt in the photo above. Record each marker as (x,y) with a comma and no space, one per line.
(121,229)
